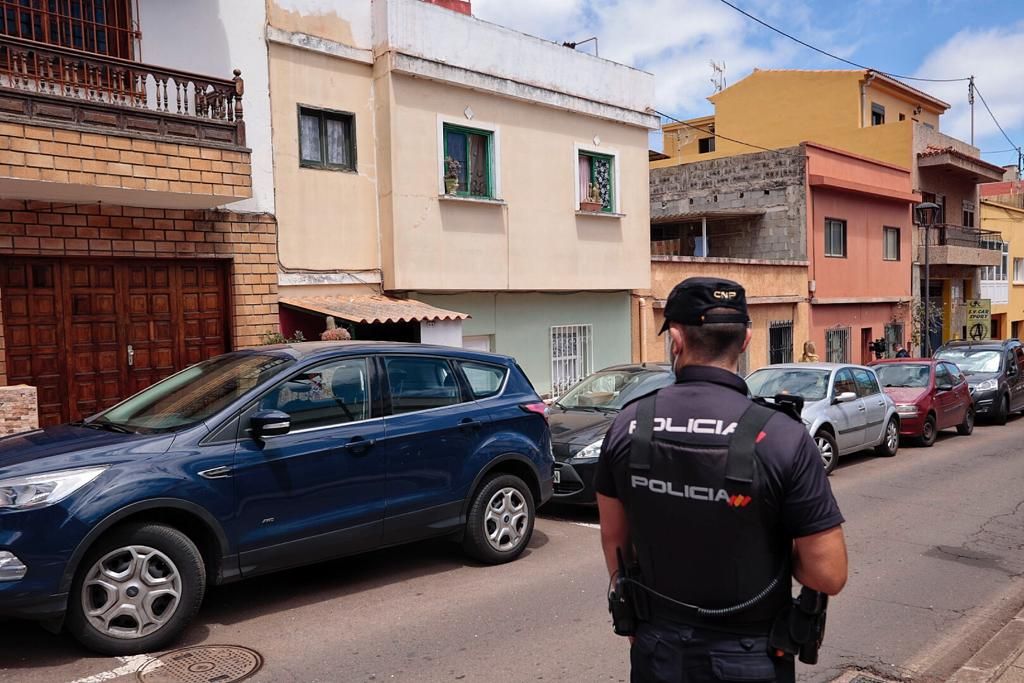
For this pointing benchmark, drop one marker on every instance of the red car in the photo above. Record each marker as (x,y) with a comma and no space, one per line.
(929,394)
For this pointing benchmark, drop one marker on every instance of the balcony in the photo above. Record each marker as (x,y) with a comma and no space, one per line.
(958,245)
(81,127)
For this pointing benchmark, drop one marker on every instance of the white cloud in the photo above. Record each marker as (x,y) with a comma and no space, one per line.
(992,55)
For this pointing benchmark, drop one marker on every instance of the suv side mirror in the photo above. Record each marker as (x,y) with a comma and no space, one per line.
(266,423)
(845,397)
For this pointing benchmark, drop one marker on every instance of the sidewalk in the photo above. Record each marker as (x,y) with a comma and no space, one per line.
(1001,660)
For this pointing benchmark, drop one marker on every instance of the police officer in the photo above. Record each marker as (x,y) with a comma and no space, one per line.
(705,529)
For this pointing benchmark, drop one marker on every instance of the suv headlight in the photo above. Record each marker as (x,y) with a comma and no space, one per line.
(40,490)
(588,453)
(906,410)
(987,385)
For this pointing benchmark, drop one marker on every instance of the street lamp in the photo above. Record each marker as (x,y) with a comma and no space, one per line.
(925,215)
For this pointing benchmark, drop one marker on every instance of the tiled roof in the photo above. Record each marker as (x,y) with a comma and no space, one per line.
(372,309)
(933,151)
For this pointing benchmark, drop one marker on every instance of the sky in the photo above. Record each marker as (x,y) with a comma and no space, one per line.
(677,39)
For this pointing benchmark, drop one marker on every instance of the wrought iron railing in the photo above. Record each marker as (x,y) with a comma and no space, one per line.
(945,234)
(166,98)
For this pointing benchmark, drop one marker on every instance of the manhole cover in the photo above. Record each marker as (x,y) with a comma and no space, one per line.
(203,664)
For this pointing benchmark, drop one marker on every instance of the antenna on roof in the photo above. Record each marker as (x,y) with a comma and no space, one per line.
(718,75)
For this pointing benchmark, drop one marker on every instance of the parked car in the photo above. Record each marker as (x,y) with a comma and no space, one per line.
(995,374)
(580,418)
(844,409)
(930,396)
(260,460)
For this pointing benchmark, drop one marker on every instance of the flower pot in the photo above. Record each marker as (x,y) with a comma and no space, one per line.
(451,185)
(591,207)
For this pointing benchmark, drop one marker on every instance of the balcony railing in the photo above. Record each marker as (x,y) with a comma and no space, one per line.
(947,235)
(54,84)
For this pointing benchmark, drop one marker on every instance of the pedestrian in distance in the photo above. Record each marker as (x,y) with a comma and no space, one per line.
(709,504)
(810,354)
(901,351)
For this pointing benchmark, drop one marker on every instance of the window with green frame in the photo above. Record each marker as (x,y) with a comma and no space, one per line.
(597,180)
(468,157)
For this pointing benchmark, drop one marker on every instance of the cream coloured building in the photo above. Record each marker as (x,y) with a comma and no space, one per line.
(442,179)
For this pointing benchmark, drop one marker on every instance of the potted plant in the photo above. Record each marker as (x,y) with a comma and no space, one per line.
(451,175)
(592,202)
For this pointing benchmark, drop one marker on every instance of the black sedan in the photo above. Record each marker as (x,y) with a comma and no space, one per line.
(580,418)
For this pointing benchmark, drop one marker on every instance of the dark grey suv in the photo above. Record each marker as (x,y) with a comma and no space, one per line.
(995,374)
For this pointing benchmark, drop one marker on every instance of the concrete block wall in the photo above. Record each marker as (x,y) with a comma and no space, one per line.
(18,409)
(768,181)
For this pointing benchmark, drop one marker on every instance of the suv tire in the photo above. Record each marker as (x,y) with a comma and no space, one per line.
(153,575)
(1003,414)
(500,520)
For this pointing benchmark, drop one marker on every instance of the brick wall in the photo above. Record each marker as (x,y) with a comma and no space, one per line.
(56,155)
(772,182)
(249,241)
(18,412)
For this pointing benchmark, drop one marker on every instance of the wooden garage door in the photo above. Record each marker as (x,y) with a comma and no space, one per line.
(88,333)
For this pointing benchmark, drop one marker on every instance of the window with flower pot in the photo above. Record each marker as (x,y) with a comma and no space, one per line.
(596,182)
(468,161)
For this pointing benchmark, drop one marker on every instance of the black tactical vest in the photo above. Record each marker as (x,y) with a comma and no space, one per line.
(703,528)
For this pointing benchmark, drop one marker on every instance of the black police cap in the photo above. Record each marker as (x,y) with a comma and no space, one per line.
(693,297)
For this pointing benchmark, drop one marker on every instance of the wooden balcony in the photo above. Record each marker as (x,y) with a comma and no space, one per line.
(75,126)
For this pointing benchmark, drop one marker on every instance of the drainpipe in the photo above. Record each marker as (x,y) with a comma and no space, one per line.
(643,329)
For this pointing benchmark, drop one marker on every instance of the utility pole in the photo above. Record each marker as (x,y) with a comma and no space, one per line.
(970,99)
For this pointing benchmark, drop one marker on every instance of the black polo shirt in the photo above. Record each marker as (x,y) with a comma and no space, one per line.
(796,482)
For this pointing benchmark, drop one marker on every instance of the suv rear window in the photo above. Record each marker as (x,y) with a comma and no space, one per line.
(419,383)
(484,379)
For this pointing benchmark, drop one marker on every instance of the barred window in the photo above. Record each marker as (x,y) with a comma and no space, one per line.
(837,345)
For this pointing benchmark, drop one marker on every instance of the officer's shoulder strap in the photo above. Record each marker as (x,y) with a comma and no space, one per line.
(739,465)
(643,433)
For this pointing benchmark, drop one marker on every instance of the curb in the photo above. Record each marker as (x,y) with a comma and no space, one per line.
(996,656)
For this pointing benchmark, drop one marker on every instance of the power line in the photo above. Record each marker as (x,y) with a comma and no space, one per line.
(996,121)
(1001,151)
(719,135)
(837,57)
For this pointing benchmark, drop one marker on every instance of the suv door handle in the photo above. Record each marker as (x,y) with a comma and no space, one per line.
(470,423)
(359,445)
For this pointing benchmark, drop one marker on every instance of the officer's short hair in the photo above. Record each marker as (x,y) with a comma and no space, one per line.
(715,341)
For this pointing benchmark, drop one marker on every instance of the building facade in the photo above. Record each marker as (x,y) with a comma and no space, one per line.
(873,116)
(819,238)
(1002,211)
(136,226)
(423,155)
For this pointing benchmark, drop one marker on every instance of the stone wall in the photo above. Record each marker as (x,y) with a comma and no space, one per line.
(772,182)
(18,412)
(249,241)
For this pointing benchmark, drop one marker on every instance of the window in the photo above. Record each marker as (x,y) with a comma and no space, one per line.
(326,139)
(835,238)
(597,180)
(103,27)
(891,244)
(1015,329)
(572,356)
(419,383)
(845,383)
(877,114)
(942,377)
(780,341)
(485,380)
(903,117)
(954,373)
(1018,270)
(893,337)
(468,157)
(837,345)
(706,145)
(996,273)
(968,214)
(333,393)
(867,385)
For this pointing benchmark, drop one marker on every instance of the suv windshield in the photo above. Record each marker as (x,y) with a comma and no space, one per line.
(972,361)
(811,385)
(903,374)
(192,395)
(612,389)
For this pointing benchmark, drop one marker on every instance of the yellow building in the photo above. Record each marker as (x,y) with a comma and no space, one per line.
(868,114)
(1002,211)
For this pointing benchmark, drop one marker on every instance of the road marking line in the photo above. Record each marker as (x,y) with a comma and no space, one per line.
(129,666)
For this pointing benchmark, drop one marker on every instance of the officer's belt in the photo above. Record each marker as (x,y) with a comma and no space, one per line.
(739,466)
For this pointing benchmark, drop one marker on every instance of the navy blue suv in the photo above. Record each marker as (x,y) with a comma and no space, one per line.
(260,460)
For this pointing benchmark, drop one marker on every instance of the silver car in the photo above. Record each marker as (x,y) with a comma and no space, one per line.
(845,409)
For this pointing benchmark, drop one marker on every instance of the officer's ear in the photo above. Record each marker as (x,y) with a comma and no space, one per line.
(746,341)
(675,332)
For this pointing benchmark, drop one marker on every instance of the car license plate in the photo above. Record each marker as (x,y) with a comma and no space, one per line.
(558,476)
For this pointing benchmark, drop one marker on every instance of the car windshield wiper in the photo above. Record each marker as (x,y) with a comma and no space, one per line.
(108,426)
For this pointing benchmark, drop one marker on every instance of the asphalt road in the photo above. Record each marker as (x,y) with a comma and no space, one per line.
(935,535)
